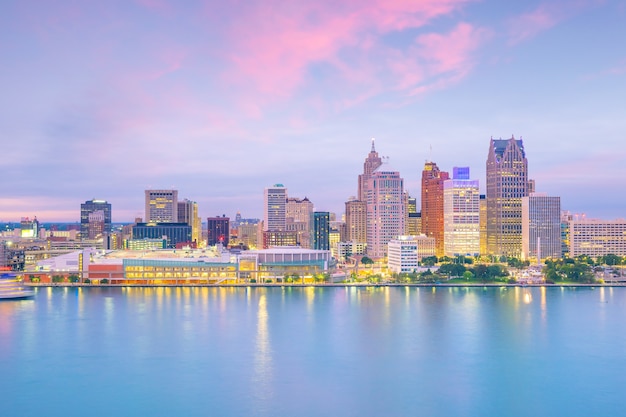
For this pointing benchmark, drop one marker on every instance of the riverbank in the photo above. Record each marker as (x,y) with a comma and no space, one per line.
(322,285)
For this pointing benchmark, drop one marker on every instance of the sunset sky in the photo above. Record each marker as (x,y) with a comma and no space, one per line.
(220,99)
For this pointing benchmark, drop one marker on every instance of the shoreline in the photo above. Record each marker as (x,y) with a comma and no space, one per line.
(321,285)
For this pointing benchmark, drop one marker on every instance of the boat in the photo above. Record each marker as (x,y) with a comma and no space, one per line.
(11,288)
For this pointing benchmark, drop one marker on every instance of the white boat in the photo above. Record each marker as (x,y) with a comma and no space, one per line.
(12,288)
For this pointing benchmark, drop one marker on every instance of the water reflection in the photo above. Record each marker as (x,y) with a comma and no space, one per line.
(263,375)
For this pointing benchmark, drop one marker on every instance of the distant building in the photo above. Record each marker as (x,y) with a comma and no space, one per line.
(483,225)
(356,220)
(320,230)
(597,237)
(405,252)
(541,227)
(461,213)
(218,231)
(89,207)
(371,164)
(161,206)
(174,232)
(507,183)
(275,201)
(96,225)
(29,228)
(188,213)
(432,204)
(273,239)
(298,213)
(385,210)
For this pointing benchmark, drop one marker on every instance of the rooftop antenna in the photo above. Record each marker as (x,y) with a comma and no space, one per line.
(373,149)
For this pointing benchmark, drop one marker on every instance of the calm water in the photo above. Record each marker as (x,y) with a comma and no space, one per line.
(314,351)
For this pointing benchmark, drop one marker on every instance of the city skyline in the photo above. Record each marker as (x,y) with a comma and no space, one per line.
(220,102)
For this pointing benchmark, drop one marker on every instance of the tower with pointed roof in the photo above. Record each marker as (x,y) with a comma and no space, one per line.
(507,184)
(372,162)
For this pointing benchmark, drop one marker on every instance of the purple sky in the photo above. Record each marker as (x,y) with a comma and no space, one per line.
(221,99)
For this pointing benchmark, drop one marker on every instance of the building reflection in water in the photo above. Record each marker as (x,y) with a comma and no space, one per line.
(263,376)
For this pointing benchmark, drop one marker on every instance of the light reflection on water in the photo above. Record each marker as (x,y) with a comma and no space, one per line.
(314,351)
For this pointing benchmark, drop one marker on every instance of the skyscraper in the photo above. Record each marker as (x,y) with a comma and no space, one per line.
(320,230)
(461,214)
(89,207)
(188,213)
(541,226)
(432,204)
(372,162)
(356,221)
(298,214)
(218,230)
(161,206)
(275,208)
(385,210)
(507,183)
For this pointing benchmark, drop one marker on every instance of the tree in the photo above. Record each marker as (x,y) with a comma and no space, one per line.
(104,281)
(454,270)
(73,278)
(468,275)
(367,261)
(57,278)
(429,260)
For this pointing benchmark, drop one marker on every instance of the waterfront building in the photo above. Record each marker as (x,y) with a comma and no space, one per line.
(218,230)
(507,183)
(275,201)
(405,252)
(320,230)
(89,207)
(346,250)
(595,237)
(432,204)
(161,206)
(188,213)
(385,210)
(461,212)
(356,220)
(175,233)
(541,227)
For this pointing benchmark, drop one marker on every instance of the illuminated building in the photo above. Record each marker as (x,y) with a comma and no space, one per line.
(161,206)
(385,210)
(89,207)
(320,230)
(507,183)
(372,162)
(298,214)
(597,237)
(218,231)
(275,202)
(541,225)
(414,226)
(279,238)
(483,225)
(29,228)
(432,204)
(405,252)
(146,244)
(96,225)
(356,220)
(461,213)
(188,213)
(349,249)
(175,233)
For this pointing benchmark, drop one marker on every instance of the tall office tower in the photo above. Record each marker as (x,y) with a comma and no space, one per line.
(411,205)
(507,183)
(541,227)
(298,214)
(89,207)
(385,210)
(96,224)
(566,217)
(320,230)
(275,208)
(461,214)
(218,231)
(188,213)
(414,226)
(372,162)
(356,221)
(483,225)
(161,206)
(432,204)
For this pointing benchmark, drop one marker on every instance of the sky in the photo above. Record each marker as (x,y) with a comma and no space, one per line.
(221,99)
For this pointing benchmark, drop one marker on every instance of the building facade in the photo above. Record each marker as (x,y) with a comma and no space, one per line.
(218,231)
(507,184)
(597,237)
(405,252)
(161,206)
(174,233)
(541,227)
(89,207)
(188,213)
(461,208)
(275,201)
(432,203)
(320,230)
(385,210)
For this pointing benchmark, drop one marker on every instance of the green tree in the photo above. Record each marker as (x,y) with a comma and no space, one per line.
(429,261)
(73,278)
(57,278)
(468,275)
(367,260)
(104,281)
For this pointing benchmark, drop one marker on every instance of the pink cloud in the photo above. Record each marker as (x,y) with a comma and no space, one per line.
(274,47)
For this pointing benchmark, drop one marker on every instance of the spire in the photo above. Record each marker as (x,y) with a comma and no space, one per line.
(373,149)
